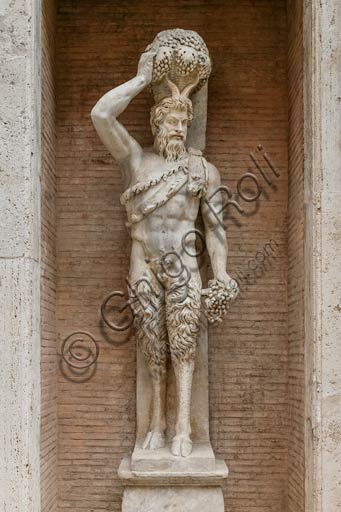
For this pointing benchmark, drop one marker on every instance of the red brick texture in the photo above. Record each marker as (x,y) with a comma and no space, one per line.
(98,45)
(296,472)
(49,358)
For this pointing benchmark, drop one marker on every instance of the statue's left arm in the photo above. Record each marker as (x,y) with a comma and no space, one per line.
(216,243)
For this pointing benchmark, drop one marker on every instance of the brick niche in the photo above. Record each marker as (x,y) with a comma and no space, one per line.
(256,367)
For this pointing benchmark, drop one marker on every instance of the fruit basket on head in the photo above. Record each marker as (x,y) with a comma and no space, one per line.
(182,57)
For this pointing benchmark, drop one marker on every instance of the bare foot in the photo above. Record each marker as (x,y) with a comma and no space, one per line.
(181,446)
(154,440)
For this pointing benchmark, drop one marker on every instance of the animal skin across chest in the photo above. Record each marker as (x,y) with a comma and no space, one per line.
(186,177)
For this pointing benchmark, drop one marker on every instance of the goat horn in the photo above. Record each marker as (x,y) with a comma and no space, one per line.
(189,88)
(173,87)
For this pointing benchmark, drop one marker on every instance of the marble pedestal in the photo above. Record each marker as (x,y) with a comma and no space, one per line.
(181,486)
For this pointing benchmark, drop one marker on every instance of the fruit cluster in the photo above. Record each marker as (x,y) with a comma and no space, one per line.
(181,52)
(218,299)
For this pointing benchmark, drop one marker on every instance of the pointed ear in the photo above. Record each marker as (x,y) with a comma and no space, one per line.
(173,87)
(189,88)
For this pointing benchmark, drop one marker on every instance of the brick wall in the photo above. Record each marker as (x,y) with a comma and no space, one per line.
(48,268)
(296,472)
(98,44)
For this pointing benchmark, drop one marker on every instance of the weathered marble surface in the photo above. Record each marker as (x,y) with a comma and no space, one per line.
(186,488)
(201,459)
(168,189)
(173,451)
(179,477)
(200,396)
(173,499)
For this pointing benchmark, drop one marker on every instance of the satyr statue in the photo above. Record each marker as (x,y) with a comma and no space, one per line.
(167,185)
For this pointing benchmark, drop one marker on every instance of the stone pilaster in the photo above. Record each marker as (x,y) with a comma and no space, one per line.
(19,256)
(322,95)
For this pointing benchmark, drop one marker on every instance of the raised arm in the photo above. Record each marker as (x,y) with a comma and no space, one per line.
(211,209)
(124,148)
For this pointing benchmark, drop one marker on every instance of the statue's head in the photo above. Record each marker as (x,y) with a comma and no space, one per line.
(169,121)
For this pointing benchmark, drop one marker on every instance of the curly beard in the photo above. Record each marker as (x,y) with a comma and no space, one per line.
(171,150)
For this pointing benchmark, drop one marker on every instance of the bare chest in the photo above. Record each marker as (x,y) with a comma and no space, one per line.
(165,191)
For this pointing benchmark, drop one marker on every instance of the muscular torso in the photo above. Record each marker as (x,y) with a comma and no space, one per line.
(167,228)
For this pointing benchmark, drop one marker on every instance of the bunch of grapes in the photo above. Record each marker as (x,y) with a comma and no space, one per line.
(181,51)
(162,63)
(218,299)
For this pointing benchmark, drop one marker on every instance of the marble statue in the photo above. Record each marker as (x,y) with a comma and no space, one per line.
(166,187)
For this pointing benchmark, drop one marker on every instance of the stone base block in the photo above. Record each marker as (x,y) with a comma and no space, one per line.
(200,460)
(186,477)
(173,499)
(173,490)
